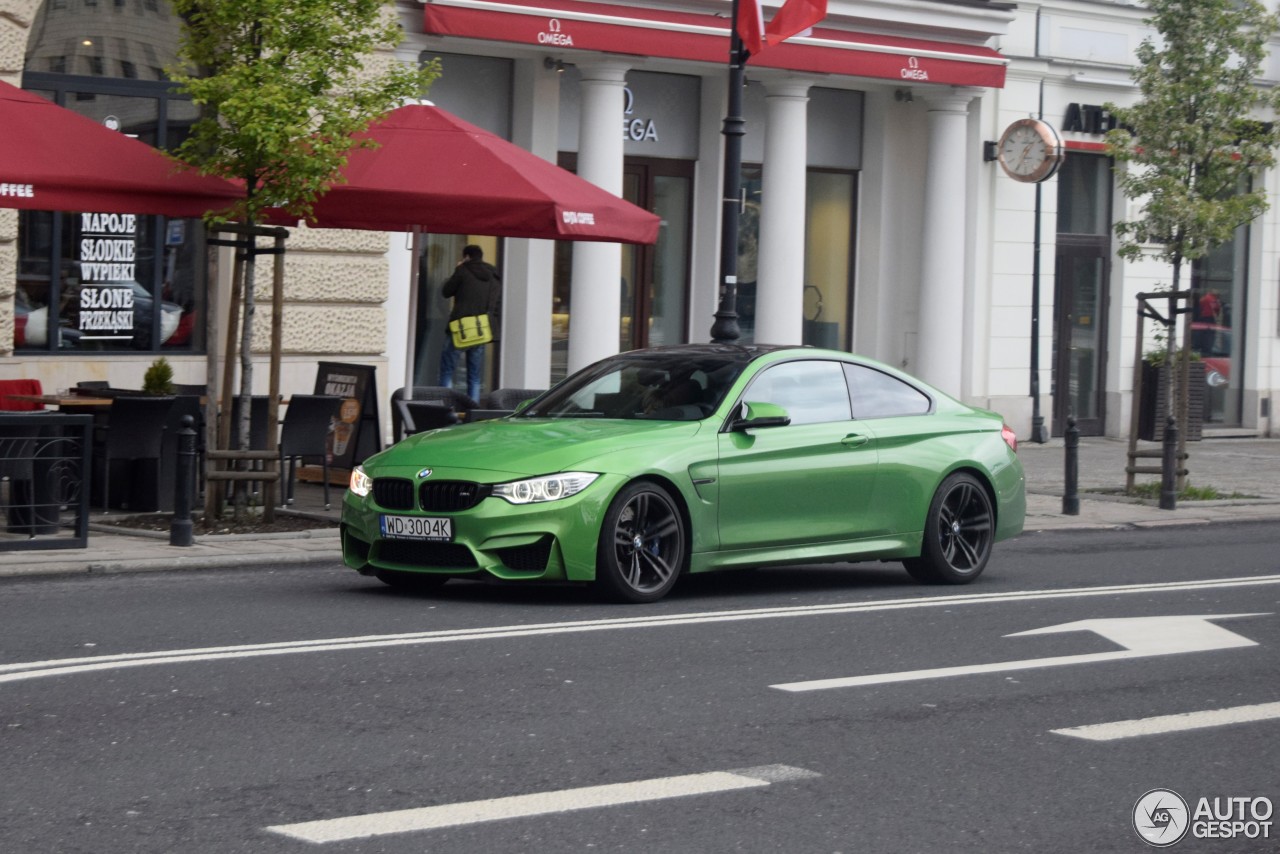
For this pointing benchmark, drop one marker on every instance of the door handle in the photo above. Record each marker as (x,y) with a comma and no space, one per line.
(854,440)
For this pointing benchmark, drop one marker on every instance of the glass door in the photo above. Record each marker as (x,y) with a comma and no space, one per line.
(654,280)
(1078,340)
(1080,293)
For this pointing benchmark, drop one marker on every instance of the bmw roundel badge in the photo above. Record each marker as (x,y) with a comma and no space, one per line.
(424,473)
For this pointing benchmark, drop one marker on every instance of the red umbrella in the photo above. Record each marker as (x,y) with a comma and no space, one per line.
(435,173)
(54,159)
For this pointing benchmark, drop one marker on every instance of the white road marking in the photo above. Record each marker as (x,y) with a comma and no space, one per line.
(20,671)
(1144,637)
(538,803)
(1173,723)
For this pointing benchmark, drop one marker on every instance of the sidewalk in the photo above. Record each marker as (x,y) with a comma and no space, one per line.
(1247,466)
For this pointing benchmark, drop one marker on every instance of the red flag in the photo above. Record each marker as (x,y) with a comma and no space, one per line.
(794,17)
(751,24)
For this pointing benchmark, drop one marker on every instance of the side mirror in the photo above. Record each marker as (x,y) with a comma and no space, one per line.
(522,405)
(752,415)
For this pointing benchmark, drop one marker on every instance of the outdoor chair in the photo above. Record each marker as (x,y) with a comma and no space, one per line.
(510,398)
(415,416)
(305,435)
(449,398)
(22,386)
(132,449)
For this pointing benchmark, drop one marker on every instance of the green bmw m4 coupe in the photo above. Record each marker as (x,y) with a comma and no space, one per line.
(654,463)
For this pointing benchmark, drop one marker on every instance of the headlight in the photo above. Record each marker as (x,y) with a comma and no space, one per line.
(550,487)
(361,484)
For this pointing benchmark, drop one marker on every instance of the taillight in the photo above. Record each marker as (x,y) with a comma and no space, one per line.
(1010,437)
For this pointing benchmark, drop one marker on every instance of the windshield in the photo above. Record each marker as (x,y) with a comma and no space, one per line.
(664,386)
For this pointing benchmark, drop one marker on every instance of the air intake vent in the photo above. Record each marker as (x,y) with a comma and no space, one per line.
(393,493)
(531,558)
(425,555)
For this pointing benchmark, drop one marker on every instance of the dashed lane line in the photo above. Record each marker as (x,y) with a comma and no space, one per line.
(538,803)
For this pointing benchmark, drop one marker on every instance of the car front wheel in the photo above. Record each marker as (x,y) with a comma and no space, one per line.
(643,545)
(958,533)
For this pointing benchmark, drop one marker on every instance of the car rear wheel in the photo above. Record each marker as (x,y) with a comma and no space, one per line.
(411,580)
(958,533)
(643,545)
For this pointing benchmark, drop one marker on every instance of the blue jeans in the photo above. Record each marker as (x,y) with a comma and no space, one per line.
(475,367)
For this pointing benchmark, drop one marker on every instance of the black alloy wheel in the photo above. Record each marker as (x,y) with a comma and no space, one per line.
(643,545)
(958,533)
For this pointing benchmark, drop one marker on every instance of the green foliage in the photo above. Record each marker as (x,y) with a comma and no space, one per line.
(159,377)
(1200,129)
(1151,490)
(283,85)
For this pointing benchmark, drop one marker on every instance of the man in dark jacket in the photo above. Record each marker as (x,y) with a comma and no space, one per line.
(475,288)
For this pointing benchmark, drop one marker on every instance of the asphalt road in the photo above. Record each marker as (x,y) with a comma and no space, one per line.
(779,710)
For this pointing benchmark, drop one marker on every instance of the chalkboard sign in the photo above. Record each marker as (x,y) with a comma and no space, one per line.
(355,435)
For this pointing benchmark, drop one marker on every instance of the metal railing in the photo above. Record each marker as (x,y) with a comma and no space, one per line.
(45,473)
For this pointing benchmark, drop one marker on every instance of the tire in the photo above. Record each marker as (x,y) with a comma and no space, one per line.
(415,581)
(958,533)
(643,545)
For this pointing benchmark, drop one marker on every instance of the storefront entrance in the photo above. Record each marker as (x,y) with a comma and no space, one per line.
(654,280)
(1080,293)
(1079,349)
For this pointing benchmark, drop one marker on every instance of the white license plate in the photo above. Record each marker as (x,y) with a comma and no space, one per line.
(417,527)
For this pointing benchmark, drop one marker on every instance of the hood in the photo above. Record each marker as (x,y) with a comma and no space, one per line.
(530,446)
(481,270)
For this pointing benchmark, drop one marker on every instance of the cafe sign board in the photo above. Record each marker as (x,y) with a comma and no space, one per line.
(355,434)
(107,254)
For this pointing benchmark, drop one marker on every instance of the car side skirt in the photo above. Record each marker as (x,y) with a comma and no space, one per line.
(868,548)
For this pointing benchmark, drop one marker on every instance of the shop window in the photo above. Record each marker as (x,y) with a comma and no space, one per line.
(1217,330)
(829,242)
(828,258)
(96,281)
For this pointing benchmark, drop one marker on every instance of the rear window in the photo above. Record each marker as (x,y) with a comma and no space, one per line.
(875,394)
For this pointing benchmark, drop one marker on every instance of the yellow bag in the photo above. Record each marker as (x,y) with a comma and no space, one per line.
(470,331)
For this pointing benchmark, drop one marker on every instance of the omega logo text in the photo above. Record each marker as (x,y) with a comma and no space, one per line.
(913,71)
(553,35)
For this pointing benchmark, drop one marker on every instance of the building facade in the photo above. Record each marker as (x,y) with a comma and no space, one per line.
(872,219)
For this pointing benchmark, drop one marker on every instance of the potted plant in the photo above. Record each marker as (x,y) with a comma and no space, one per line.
(158,379)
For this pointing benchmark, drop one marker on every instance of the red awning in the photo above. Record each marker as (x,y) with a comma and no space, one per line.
(576,25)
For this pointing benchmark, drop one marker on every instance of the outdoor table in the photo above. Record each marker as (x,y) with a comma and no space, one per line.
(63,401)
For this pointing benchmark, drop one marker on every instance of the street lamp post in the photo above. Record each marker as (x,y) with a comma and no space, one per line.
(725,329)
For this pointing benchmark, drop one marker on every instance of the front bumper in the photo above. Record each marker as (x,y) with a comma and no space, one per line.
(554,540)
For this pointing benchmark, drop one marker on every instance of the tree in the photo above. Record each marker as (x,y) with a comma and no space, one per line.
(284,85)
(1194,139)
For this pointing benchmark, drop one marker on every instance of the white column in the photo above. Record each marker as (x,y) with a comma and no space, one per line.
(942,297)
(595,291)
(529,268)
(780,280)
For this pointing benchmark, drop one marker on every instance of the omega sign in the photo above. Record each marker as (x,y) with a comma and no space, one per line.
(553,36)
(636,130)
(913,71)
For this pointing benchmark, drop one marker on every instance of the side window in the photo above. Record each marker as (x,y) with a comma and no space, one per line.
(878,395)
(811,392)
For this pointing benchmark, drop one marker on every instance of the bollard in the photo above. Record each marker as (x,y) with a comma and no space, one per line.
(1071,476)
(180,528)
(1169,467)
